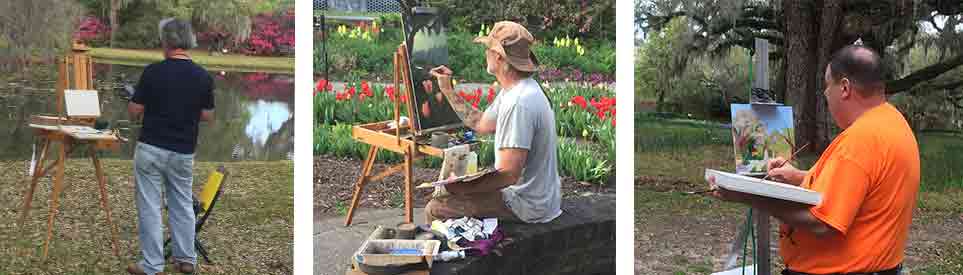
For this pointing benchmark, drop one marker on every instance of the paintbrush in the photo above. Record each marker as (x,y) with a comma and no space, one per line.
(791,157)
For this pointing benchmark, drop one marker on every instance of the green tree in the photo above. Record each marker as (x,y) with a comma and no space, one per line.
(35,29)
(804,34)
(659,64)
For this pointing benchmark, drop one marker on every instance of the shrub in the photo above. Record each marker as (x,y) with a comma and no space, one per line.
(92,31)
(373,58)
(582,18)
(271,34)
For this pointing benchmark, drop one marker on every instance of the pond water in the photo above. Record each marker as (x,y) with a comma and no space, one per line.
(254,114)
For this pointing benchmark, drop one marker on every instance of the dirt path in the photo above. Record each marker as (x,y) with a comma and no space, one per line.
(683,234)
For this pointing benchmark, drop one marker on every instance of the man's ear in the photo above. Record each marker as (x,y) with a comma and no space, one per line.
(846,88)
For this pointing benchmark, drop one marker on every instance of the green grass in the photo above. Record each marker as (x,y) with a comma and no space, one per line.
(249,232)
(664,143)
(228,62)
(671,155)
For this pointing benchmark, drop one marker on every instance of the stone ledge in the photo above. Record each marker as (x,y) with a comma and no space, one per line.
(580,241)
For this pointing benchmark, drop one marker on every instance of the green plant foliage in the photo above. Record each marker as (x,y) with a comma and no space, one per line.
(373,58)
(586,154)
(586,19)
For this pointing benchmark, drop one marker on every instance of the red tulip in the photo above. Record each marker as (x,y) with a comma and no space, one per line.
(322,85)
(491,94)
(365,88)
(579,100)
(390,93)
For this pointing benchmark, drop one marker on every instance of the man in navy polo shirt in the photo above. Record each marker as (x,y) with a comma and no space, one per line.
(173,97)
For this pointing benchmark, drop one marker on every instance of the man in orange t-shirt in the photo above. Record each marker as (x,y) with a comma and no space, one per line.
(868,177)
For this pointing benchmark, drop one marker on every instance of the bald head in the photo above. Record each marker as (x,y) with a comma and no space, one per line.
(861,65)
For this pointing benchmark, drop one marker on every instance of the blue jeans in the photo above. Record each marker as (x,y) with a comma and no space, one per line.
(156,169)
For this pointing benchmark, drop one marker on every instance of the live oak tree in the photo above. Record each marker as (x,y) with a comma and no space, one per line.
(805,33)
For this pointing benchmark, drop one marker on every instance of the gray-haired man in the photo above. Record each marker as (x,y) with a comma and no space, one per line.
(527,186)
(172,97)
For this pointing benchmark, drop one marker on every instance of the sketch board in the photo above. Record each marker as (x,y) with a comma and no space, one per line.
(428,48)
(82,103)
(765,188)
(759,133)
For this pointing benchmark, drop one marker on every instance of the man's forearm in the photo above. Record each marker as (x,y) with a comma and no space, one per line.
(489,183)
(791,213)
(468,114)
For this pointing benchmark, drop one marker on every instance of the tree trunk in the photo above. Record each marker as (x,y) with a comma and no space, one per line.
(114,20)
(802,89)
(829,40)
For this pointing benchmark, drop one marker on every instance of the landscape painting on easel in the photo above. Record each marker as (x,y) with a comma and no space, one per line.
(428,49)
(760,133)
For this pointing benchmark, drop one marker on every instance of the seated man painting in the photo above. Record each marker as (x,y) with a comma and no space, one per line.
(526,186)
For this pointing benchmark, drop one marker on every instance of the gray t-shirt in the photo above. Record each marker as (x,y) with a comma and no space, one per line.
(525,120)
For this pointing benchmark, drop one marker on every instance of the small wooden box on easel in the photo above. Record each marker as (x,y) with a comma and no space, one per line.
(78,107)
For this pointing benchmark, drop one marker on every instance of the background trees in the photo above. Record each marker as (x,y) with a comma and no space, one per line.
(919,40)
(32,30)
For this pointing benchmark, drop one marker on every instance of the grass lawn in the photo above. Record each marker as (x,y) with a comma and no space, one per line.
(249,232)
(228,62)
(684,234)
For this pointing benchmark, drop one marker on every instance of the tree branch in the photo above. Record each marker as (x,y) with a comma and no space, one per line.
(932,71)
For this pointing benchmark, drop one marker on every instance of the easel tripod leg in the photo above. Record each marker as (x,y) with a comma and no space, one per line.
(38,172)
(359,186)
(409,198)
(58,186)
(104,201)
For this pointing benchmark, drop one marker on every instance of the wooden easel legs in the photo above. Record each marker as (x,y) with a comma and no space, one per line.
(38,172)
(409,198)
(359,187)
(365,178)
(58,187)
(104,200)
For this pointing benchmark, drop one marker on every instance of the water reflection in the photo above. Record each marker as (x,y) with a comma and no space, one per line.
(253,115)
(266,119)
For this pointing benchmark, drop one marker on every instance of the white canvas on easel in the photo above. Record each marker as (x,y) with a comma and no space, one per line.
(82,103)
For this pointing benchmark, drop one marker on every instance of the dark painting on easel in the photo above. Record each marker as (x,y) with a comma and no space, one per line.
(428,48)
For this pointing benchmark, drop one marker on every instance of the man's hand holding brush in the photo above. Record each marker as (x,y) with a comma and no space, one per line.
(782,171)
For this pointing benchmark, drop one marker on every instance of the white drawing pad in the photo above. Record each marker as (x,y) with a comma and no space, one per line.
(82,103)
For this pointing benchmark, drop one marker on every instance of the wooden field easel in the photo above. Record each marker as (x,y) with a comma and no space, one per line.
(399,139)
(75,74)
